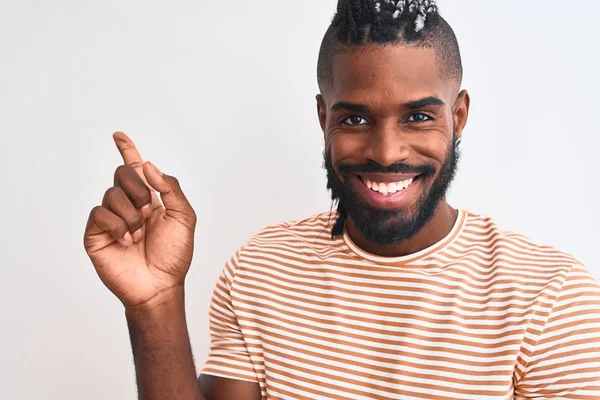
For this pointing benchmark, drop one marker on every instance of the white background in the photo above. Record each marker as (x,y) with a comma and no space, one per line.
(221,95)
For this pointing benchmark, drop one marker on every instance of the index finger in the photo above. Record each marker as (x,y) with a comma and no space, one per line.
(131,157)
(128,151)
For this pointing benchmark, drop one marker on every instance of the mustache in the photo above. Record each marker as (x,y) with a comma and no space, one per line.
(396,168)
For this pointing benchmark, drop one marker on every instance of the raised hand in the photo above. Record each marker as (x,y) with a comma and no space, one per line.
(140,248)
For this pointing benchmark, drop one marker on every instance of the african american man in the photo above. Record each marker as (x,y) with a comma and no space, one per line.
(395,295)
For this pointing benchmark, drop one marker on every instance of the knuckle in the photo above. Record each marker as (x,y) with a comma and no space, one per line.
(121,168)
(142,195)
(117,225)
(113,192)
(122,171)
(96,211)
(136,164)
(136,222)
(121,226)
(113,197)
(174,181)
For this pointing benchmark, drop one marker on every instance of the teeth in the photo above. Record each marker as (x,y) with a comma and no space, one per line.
(388,188)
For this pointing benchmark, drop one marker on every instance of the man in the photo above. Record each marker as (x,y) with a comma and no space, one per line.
(397,295)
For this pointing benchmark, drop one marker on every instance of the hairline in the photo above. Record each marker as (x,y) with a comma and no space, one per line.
(340,48)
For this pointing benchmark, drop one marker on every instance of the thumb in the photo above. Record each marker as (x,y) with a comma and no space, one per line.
(176,204)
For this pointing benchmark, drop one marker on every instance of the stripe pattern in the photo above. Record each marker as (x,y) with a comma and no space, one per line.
(484,314)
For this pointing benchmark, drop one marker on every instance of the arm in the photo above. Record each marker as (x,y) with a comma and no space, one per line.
(229,372)
(163,357)
(161,350)
(142,249)
(216,388)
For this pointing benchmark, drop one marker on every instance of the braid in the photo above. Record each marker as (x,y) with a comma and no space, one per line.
(417,10)
(421,9)
(385,18)
(351,17)
(406,22)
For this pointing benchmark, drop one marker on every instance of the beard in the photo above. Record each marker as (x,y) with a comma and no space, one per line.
(388,227)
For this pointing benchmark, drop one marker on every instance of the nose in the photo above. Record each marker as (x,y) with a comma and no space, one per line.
(387,145)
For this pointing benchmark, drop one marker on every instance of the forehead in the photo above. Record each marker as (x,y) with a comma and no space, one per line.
(398,73)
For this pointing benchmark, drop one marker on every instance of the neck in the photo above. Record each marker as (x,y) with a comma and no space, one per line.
(436,229)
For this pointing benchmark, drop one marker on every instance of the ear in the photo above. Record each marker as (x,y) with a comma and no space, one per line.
(322,113)
(461,112)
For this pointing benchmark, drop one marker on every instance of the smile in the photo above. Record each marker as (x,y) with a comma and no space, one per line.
(387,191)
(388,188)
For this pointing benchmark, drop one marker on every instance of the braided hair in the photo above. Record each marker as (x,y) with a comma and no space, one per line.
(416,23)
(386,18)
(382,22)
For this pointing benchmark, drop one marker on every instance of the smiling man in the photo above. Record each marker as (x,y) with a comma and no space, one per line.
(396,295)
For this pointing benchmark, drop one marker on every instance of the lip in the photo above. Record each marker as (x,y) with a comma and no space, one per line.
(380,201)
(387,178)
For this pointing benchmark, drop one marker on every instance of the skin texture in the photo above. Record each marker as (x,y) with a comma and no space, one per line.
(382,80)
(215,388)
(142,248)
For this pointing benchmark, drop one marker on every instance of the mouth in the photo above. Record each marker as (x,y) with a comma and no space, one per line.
(388,185)
(387,191)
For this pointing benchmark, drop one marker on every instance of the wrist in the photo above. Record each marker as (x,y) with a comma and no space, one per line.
(165,302)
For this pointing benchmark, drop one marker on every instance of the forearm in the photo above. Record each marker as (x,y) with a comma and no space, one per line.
(161,349)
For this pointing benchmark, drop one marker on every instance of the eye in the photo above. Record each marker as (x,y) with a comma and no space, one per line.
(419,117)
(354,120)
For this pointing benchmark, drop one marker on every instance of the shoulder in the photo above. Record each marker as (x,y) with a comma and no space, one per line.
(484,234)
(531,268)
(307,229)
(295,238)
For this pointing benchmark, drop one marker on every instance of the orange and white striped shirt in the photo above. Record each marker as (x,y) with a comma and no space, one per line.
(484,314)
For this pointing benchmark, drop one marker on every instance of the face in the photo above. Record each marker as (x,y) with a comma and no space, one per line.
(390,123)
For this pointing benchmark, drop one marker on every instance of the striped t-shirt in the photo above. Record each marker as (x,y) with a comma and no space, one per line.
(484,314)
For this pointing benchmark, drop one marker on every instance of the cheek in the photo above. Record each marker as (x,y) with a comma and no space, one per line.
(345,147)
(436,148)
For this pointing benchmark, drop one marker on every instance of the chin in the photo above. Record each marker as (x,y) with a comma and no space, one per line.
(375,222)
(393,226)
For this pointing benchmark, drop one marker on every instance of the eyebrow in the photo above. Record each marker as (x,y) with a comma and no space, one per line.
(411,105)
(352,107)
(427,101)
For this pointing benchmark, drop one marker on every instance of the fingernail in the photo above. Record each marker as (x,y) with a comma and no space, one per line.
(137,236)
(156,169)
(146,211)
(127,239)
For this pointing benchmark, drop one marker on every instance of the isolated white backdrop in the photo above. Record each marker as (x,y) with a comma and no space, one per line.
(221,95)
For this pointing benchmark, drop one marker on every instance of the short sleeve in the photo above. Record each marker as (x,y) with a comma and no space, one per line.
(228,356)
(564,363)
